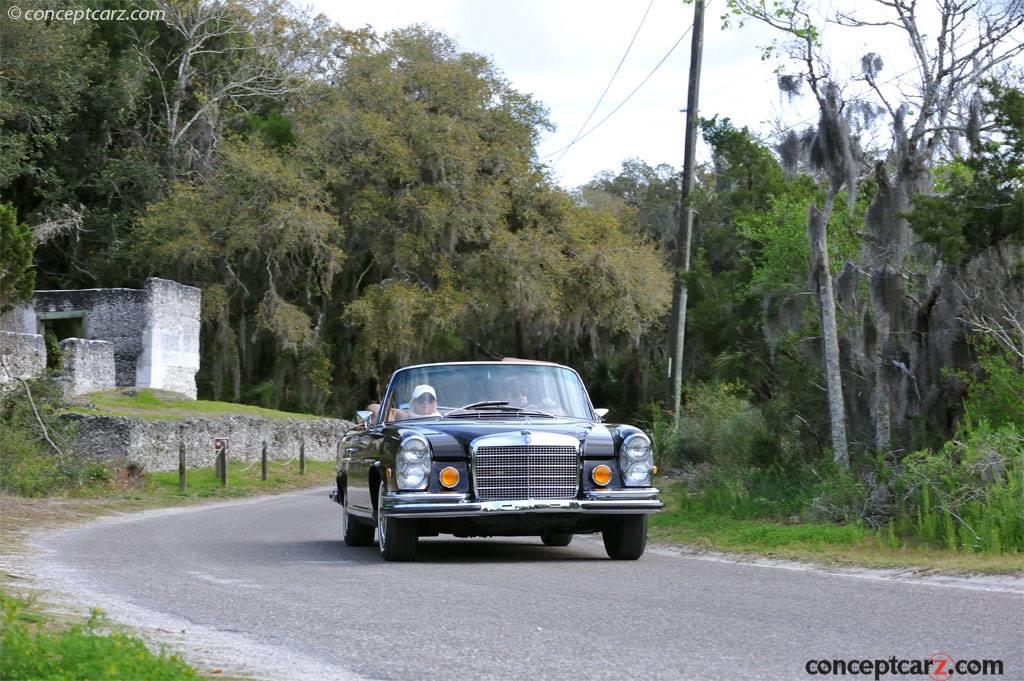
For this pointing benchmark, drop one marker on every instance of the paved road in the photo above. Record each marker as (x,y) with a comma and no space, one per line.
(269,582)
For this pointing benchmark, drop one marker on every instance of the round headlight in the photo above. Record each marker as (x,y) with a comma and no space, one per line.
(413,457)
(413,463)
(636,447)
(413,477)
(638,473)
(415,450)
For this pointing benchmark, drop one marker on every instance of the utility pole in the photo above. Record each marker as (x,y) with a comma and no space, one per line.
(684,231)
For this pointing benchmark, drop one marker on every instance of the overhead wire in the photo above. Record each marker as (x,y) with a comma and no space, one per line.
(611,80)
(624,101)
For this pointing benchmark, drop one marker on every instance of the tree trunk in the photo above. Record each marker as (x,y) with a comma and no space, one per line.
(821,276)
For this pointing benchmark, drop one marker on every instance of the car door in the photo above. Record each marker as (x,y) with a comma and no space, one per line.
(360,451)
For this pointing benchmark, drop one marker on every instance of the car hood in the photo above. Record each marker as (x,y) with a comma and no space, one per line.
(450,438)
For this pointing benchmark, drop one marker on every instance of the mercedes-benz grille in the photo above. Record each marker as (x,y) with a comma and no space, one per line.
(526,472)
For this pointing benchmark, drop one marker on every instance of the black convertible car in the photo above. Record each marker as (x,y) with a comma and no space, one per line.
(479,449)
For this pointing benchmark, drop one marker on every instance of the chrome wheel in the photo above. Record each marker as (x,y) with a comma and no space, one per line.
(397,536)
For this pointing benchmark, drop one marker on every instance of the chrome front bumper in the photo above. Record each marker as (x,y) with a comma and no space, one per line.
(456,505)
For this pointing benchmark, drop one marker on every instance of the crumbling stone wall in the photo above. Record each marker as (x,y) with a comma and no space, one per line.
(88,366)
(170,339)
(154,331)
(154,443)
(21,319)
(117,315)
(22,355)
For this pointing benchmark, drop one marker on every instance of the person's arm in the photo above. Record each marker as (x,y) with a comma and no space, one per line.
(374,409)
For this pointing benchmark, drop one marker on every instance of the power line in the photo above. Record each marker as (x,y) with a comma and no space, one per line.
(610,81)
(623,102)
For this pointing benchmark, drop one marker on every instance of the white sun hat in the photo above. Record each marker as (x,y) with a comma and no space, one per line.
(423,389)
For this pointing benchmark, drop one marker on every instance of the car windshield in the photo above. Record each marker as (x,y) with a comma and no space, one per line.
(507,388)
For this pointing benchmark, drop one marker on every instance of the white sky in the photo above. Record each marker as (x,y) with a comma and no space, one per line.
(563,52)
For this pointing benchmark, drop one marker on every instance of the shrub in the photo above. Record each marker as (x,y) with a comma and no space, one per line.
(29,466)
(26,468)
(998,397)
(968,495)
(721,426)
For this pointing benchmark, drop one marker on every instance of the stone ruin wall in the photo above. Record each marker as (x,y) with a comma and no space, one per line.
(153,335)
(153,444)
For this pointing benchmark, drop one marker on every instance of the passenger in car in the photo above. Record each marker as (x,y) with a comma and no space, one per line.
(424,402)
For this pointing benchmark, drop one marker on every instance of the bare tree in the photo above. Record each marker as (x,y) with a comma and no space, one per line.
(214,62)
(831,153)
(934,108)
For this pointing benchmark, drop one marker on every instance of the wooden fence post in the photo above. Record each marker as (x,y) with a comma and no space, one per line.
(302,457)
(181,467)
(263,463)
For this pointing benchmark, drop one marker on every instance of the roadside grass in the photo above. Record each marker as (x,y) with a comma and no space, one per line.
(161,405)
(684,522)
(36,643)
(243,480)
(33,646)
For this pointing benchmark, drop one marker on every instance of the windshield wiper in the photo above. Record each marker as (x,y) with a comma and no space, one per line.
(496,406)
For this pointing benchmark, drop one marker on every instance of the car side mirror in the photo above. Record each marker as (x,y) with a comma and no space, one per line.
(363,417)
(601,413)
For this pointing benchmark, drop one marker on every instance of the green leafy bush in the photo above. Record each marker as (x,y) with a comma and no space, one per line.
(998,397)
(720,425)
(26,468)
(29,465)
(79,652)
(968,495)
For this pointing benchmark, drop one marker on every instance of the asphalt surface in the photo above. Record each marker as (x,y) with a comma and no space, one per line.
(267,587)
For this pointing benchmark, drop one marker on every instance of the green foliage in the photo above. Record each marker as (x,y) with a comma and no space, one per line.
(998,397)
(81,651)
(721,426)
(781,261)
(29,466)
(275,129)
(968,495)
(981,199)
(398,322)
(17,278)
(747,174)
(748,492)
(26,467)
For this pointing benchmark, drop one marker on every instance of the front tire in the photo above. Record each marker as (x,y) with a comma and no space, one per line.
(556,538)
(397,536)
(354,532)
(625,537)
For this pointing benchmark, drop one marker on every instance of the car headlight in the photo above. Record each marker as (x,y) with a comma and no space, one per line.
(413,463)
(636,460)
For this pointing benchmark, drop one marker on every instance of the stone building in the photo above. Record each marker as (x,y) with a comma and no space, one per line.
(146,337)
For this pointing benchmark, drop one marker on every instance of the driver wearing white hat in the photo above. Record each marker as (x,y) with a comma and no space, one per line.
(424,401)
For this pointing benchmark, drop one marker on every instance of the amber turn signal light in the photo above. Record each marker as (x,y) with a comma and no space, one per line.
(601,475)
(449,477)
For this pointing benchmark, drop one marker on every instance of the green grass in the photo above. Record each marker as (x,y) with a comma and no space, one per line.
(159,405)
(33,647)
(243,480)
(688,520)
